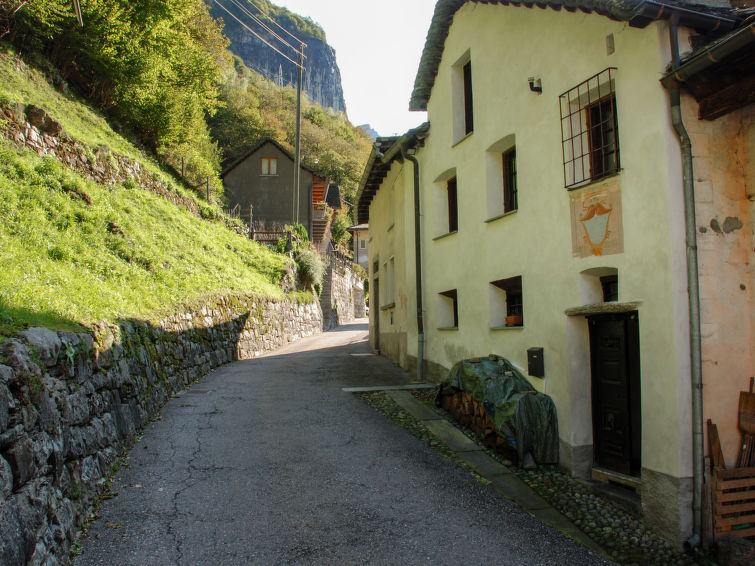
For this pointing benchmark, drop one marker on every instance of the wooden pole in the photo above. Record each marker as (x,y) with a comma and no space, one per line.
(297,156)
(208,189)
(183,168)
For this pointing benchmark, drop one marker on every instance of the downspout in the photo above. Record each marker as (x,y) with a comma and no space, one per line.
(698,451)
(417,267)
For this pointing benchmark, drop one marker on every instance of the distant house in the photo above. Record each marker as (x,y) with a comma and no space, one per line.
(360,235)
(261,183)
(558,205)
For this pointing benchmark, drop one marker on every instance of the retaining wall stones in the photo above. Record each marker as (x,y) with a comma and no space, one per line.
(70,403)
(342,298)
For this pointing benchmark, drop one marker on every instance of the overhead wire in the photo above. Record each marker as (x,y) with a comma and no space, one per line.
(274,22)
(258,36)
(265,26)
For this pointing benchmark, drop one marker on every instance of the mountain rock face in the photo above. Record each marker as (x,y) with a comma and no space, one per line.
(322,78)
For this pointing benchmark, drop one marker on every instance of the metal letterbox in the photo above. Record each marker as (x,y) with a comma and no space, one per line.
(535,362)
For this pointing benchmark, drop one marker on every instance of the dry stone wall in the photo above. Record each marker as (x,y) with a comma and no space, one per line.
(70,403)
(342,298)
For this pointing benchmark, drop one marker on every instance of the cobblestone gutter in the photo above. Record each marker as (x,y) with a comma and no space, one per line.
(70,403)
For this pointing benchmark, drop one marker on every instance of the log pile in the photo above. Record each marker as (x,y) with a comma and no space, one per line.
(471,413)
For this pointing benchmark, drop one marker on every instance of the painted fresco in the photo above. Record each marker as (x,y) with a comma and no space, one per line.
(596,225)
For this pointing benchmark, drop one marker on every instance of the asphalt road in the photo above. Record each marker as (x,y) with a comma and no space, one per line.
(267,461)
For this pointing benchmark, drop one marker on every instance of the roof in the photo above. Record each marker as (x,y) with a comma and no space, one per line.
(333,197)
(377,167)
(703,15)
(251,152)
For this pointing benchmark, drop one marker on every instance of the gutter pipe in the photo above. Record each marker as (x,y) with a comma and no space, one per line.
(698,453)
(402,146)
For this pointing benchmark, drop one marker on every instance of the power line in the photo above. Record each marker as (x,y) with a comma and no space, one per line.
(276,23)
(264,25)
(262,39)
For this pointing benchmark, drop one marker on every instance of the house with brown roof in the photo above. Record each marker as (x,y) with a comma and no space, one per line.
(584,188)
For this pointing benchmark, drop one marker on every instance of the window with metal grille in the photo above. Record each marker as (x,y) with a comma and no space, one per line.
(589,130)
(453,210)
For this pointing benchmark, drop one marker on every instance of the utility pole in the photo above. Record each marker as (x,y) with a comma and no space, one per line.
(297,150)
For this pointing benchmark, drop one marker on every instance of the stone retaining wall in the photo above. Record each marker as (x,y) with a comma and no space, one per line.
(342,298)
(70,403)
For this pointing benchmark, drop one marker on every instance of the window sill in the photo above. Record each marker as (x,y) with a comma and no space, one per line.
(261,175)
(448,328)
(590,182)
(388,307)
(461,139)
(504,215)
(513,327)
(445,235)
(390,227)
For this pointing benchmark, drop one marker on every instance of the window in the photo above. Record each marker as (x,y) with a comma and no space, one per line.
(506,308)
(453,210)
(468,113)
(462,98)
(509,181)
(362,244)
(448,309)
(589,130)
(610,286)
(269,166)
(391,281)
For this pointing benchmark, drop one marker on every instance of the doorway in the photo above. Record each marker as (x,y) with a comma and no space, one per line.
(615,368)
(375,309)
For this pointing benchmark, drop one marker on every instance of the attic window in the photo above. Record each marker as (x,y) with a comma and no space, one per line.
(589,130)
(268,166)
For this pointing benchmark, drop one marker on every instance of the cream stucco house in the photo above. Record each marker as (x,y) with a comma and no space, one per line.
(543,206)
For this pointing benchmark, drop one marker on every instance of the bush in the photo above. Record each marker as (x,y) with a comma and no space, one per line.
(311,267)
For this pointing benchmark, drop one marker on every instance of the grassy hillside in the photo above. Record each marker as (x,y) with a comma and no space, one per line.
(73,252)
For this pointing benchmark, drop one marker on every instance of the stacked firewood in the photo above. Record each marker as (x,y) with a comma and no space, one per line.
(471,413)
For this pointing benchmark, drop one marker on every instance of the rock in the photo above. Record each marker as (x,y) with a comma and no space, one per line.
(18,356)
(6,404)
(6,478)
(11,536)
(20,456)
(45,342)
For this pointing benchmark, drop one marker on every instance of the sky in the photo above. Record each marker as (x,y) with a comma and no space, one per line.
(378,45)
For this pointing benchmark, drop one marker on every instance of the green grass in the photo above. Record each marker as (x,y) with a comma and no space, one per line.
(20,82)
(64,263)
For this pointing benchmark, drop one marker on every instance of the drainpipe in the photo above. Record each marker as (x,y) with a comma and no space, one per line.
(698,453)
(417,267)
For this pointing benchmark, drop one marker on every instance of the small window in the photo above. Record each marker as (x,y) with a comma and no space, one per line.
(448,309)
(506,307)
(610,286)
(453,210)
(362,244)
(269,166)
(468,110)
(509,181)
(589,130)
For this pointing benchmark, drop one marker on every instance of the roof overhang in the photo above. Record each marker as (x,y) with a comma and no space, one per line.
(721,75)
(638,13)
(384,152)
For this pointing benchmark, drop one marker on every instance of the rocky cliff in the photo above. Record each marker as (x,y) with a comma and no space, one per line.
(322,79)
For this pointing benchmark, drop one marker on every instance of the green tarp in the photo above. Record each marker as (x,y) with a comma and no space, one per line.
(521,415)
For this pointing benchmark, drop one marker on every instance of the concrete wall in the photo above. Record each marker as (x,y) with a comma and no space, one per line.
(393,239)
(271,195)
(724,164)
(70,403)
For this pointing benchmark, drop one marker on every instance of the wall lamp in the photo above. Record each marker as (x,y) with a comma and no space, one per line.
(536,85)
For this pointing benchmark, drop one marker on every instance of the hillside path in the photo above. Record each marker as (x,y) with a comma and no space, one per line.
(268,461)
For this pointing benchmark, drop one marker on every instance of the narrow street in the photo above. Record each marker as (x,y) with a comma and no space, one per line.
(268,461)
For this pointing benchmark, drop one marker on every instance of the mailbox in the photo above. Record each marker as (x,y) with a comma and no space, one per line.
(535,362)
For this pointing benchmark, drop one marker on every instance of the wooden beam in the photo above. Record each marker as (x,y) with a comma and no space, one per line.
(728,99)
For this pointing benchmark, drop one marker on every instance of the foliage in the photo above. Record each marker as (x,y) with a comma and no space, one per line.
(338,229)
(65,262)
(310,266)
(154,65)
(360,271)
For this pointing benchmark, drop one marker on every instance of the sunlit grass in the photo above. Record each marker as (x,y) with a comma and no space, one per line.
(65,262)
